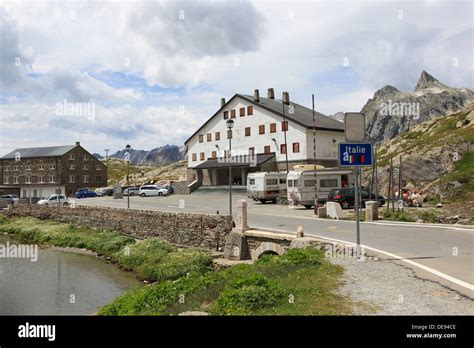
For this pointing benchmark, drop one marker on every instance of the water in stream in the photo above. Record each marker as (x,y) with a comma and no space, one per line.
(50,285)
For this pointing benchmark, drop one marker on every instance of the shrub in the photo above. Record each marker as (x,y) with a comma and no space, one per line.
(246,294)
(397,216)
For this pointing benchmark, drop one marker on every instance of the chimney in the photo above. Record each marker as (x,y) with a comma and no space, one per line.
(256,96)
(286,98)
(222,102)
(271,93)
(78,143)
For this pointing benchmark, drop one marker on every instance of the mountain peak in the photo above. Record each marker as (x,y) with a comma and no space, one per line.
(427,81)
(386,91)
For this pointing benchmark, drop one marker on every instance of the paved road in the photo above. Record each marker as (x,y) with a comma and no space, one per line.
(447,249)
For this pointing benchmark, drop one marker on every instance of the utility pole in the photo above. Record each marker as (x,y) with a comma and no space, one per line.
(356,207)
(285,99)
(314,159)
(389,184)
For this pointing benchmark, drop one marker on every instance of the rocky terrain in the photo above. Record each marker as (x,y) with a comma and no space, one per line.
(158,156)
(391,112)
(438,160)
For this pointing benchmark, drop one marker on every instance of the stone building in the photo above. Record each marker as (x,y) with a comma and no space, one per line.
(42,171)
(268,135)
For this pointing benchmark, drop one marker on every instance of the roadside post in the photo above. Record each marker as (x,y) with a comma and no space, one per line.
(355,153)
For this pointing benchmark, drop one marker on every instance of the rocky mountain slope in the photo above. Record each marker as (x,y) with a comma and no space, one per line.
(391,112)
(437,157)
(158,156)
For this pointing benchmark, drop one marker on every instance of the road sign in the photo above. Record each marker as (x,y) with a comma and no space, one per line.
(355,154)
(354,126)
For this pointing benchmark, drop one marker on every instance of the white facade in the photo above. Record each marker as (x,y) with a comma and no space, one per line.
(39,191)
(326,141)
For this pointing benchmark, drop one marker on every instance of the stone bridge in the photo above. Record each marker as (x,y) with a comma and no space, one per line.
(244,243)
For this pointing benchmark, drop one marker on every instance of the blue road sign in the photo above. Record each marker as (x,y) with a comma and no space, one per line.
(355,154)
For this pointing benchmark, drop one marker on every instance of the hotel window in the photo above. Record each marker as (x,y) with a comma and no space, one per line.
(85,179)
(214,155)
(40,167)
(72,178)
(15,168)
(51,178)
(72,167)
(296,147)
(209,137)
(217,136)
(249,110)
(266,150)
(284,126)
(226,153)
(85,158)
(201,138)
(273,127)
(41,179)
(28,180)
(261,129)
(52,166)
(229,134)
(226,115)
(71,156)
(85,167)
(5,180)
(98,168)
(242,112)
(201,156)
(7,169)
(28,168)
(232,113)
(194,157)
(98,178)
(247,131)
(251,151)
(283,149)
(15,180)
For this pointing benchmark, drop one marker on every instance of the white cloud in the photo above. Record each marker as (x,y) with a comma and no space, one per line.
(294,46)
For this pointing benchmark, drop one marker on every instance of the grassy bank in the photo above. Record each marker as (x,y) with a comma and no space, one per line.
(300,282)
(151,259)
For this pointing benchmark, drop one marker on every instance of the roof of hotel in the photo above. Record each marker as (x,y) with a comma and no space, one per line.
(50,151)
(300,114)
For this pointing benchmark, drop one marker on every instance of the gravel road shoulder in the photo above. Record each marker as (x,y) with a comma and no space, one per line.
(383,287)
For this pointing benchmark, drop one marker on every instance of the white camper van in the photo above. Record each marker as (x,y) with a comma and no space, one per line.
(300,184)
(266,186)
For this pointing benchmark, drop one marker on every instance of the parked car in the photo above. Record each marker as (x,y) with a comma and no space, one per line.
(345,197)
(133,191)
(10,198)
(54,200)
(104,192)
(169,188)
(85,192)
(152,190)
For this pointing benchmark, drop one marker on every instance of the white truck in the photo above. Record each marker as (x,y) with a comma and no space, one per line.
(301,183)
(266,186)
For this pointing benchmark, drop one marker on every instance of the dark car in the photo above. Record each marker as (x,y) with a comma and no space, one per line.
(84,193)
(345,197)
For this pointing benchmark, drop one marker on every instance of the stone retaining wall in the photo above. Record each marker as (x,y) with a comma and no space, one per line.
(182,229)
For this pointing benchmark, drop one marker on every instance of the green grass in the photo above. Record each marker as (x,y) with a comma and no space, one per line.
(397,216)
(300,282)
(151,259)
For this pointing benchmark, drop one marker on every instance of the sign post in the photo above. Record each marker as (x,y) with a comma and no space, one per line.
(355,152)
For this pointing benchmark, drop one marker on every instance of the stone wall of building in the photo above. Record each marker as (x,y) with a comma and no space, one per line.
(182,229)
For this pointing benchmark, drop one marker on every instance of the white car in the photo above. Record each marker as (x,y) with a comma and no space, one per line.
(152,190)
(54,200)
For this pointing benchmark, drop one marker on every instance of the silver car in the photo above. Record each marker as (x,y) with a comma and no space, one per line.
(54,200)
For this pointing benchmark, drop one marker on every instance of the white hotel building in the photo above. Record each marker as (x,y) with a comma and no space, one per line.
(259,130)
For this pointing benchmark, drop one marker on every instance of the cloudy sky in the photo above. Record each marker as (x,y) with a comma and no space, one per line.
(149,73)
